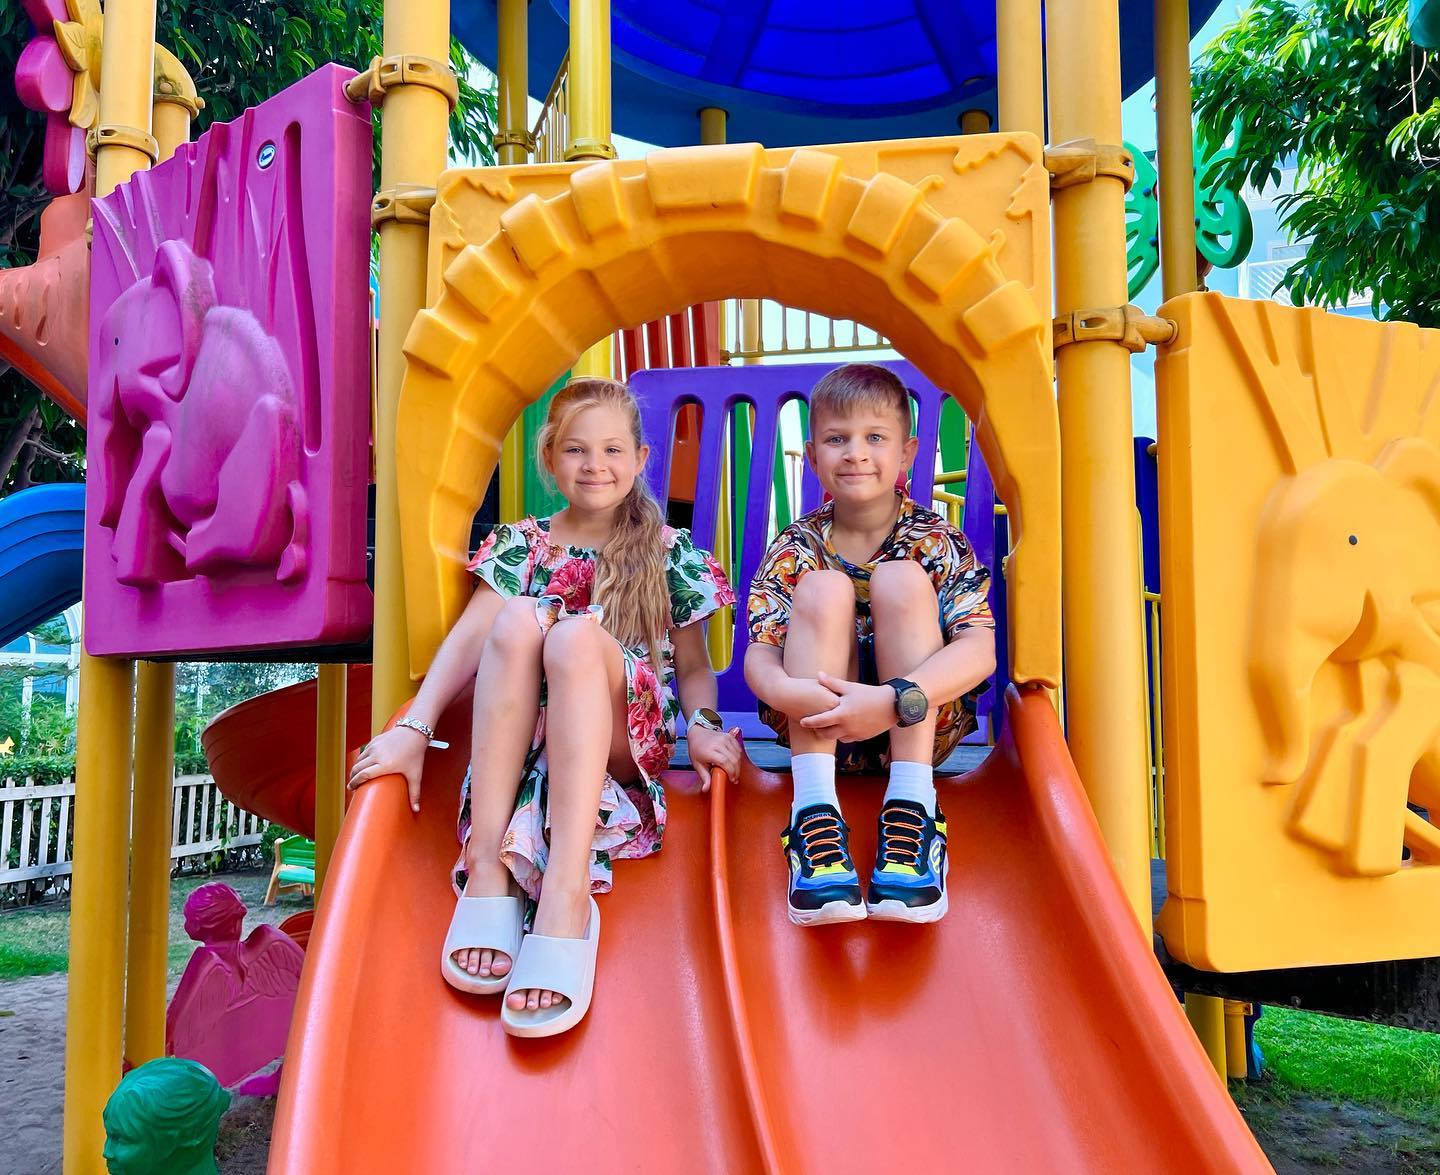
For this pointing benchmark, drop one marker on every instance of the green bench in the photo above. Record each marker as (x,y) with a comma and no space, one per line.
(294,868)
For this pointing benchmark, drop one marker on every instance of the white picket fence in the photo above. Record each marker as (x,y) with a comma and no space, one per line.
(37,826)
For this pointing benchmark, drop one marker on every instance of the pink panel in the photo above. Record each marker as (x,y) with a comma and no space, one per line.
(229,387)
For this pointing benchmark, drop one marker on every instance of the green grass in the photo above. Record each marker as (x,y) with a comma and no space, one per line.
(1350,1060)
(35,940)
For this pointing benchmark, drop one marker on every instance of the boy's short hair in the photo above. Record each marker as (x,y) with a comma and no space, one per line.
(860,385)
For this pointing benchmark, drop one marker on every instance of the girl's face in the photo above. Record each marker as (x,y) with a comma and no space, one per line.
(594,460)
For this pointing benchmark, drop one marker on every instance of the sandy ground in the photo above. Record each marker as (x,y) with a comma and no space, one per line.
(32,1060)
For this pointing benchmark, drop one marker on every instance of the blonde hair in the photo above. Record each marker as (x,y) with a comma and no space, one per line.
(860,385)
(630,571)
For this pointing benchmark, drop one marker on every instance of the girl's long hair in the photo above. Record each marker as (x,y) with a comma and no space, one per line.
(630,572)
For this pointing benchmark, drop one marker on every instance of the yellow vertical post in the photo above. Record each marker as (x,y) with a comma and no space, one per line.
(1206,1014)
(1104,646)
(413,137)
(1175,152)
(721,632)
(173,103)
(1021,80)
(1175,147)
(330,690)
(589,107)
(1237,1059)
(513,145)
(150,838)
(95,1005)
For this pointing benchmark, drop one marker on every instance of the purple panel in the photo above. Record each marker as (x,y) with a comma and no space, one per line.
(229,387)
(717,390)
(989,537)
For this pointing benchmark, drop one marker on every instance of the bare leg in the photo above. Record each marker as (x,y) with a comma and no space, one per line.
(821,640)
(906,614)
(585,735)
(501,731)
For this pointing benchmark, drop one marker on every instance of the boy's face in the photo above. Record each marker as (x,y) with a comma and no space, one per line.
(858,456)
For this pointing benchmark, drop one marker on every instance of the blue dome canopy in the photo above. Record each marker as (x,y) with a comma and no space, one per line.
(796,71)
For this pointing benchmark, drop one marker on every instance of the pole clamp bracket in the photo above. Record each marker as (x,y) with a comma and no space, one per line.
(403,69)
(404,204)
(522,139)
(1081,161)
(1129,326)
(111,134)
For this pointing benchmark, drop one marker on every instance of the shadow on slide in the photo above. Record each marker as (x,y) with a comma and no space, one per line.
(1031,1030)
(42,533)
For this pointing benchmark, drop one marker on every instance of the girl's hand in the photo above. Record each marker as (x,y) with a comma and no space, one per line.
(713,748)
(398,751)
(863,712)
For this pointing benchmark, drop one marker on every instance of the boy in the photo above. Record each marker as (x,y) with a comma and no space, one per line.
(868,624)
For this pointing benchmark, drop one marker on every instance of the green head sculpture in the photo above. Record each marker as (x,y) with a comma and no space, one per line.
(162,1119)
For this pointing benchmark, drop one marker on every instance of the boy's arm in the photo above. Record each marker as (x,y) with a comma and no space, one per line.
(796,697)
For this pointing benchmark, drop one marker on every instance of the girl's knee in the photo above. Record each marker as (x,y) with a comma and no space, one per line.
(901,584)
(573,645)
(825,593)
(516,632)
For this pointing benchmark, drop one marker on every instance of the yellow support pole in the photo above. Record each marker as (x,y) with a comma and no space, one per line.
(589,104)
(94,1024)
(151,831)
(721,631)
(1175,147)
(1209,1015)
(1237,1060)
(1021,81)
(1206,1014)
(174,103)
(1104,646)
(330,690)
(513,144)
(414,132)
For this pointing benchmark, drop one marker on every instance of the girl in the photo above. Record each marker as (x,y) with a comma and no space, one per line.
(581,628)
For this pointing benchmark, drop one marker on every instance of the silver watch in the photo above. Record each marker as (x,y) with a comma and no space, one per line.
(706,717)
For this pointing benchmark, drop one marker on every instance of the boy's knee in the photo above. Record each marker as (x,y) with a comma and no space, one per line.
(515,630)
(901,584)
(572,645)
(825,593)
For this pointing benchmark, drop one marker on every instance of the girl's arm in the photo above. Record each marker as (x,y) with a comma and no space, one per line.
(695,683)
(401,749)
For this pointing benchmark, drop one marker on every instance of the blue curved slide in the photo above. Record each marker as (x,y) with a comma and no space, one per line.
(41,533)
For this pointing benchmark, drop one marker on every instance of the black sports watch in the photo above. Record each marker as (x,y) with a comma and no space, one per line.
(911,704)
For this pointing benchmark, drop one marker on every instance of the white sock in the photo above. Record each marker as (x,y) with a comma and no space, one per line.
(814,776)
(914,782)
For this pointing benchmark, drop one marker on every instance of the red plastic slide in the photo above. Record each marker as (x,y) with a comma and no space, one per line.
(262,752)
(1030,1031)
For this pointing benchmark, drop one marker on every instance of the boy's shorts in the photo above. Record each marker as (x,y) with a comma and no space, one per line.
(956,719)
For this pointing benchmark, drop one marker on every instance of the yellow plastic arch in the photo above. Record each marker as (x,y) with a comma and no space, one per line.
(939,244)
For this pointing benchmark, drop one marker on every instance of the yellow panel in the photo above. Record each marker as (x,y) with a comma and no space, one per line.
(941,244)
(1300,546)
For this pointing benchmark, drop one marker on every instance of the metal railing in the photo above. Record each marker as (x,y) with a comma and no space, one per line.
(784,330)
(552,126)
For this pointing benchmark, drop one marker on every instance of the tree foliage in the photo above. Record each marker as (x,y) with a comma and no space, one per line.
(239,52)
(1337,86)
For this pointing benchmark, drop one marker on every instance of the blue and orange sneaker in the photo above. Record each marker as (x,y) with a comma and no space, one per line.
(908,884)
(824,886)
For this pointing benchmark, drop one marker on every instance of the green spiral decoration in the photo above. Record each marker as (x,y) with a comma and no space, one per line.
(1142,223)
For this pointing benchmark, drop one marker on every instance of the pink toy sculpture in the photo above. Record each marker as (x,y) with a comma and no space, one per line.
(231,1011)
(229,387)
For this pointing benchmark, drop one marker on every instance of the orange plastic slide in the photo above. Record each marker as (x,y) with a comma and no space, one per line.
(1030,1031)
(262,752)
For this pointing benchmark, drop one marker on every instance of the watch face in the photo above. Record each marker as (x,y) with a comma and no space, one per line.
(912,705)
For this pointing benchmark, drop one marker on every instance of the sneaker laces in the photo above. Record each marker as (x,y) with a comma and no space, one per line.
(822,839)
(902,836)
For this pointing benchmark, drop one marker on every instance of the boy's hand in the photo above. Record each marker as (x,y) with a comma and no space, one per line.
(862,712)
(713,748)
(800,697)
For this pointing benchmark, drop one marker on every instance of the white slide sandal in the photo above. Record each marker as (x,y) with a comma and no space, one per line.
(562,965)
(492,924)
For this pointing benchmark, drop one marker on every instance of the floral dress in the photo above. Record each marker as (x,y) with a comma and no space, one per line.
(961,587)
(521,559)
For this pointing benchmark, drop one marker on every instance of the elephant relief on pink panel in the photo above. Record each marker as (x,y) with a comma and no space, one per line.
(229,387)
